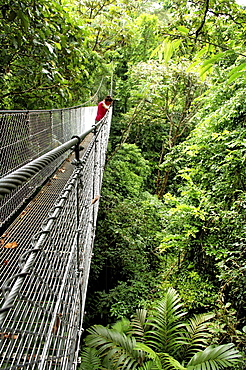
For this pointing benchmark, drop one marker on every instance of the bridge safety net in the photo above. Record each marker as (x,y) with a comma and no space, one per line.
(46,254)
(27,135)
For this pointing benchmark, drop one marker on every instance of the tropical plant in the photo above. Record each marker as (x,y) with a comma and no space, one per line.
(204,228)
(90,359)
(163,341)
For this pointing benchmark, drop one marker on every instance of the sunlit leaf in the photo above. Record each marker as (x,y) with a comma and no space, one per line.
(183,29)
(214,59)
(235,76)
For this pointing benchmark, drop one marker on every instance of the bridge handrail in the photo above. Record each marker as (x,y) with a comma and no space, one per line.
(18,177)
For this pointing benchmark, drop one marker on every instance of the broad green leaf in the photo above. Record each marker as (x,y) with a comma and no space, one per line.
(235,76)
(58,45)
(236,69)
(183,29)
(204,70)
(214,59)
(194,64)
(155,51)
(197,59)
(168,52)
(176,44)
(202,52)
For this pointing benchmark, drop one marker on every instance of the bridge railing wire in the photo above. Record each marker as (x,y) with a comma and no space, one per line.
(43,305)
(28,135)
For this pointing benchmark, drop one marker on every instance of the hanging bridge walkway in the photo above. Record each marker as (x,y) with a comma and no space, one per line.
(51,165)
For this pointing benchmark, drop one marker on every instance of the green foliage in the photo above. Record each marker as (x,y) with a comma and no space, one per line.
(197,333)
(203,238)
(198,291)
(161,102)
(178,76)
(168,342)
(227,323)
(116,348)
(191,135)
(54,53)
(215,25)
(90,359)
(125,268)
(166,335)
(125,257)
(219,357)
(127,173)
(43,54)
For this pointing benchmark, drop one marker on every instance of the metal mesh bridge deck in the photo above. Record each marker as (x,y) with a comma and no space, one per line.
(45,262)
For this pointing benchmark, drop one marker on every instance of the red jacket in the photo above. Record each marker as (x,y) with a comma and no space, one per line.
(101,111)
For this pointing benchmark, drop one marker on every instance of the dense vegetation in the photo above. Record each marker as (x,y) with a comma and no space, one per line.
(173,205)
(162,341)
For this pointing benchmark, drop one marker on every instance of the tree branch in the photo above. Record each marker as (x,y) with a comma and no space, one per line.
(96,41)
(229,16)
(204,19)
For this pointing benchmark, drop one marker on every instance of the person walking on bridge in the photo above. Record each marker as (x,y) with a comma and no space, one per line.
(103,107)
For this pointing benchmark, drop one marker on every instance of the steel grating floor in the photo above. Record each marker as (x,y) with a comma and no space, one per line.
(16,240)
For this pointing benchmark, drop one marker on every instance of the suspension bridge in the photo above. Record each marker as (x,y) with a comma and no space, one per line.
(51,165)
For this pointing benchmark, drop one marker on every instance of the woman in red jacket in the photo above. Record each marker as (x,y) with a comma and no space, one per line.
(102,107)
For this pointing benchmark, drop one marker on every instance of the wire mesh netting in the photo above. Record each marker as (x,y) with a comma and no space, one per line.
(25,136)
(45,275)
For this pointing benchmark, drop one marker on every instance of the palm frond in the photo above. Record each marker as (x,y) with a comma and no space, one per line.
(150,354)
(90,359)
(172,304)
(170,363)
(114,347)
(197,334)
(149,365)
(138,324)
(161,360)
(167,333)
(215,358)
(125,362)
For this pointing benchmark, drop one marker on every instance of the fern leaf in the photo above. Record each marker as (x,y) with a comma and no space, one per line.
(150,353)
(149,365)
